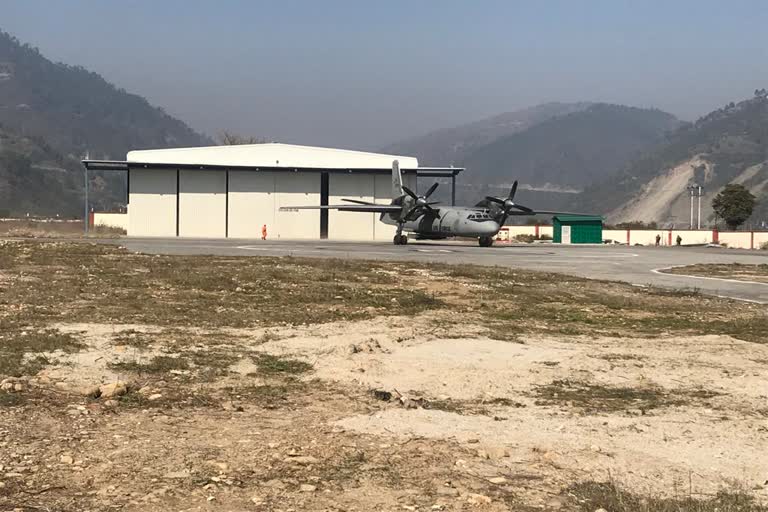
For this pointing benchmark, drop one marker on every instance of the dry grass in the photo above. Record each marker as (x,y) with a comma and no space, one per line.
(52,228)
(592,398)
(591,496)
(74,282)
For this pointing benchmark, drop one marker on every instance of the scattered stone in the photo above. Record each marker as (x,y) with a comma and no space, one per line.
(275,483)
(6,386)
(154,396)
(177,475)
(111,404)
(304,460)
(447,491)
(498,480)
(66,459)
(601,510)
(145,391)
(478,499)
(2,485)
(91,391)
(307,488)
(18,387)
(384,396)
(114,389)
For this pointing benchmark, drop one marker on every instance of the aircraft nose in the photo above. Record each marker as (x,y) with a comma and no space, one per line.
(489,228)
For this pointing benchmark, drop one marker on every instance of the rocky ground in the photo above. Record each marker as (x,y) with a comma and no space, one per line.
(167,383)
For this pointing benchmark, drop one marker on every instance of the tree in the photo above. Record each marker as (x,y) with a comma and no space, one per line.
(734,204)
(232,139)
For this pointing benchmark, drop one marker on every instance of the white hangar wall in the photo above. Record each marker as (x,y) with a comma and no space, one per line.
(223,202)
(210,207)
(153,199)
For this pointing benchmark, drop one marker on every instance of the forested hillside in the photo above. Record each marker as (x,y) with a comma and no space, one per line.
(450,146)
(51,114)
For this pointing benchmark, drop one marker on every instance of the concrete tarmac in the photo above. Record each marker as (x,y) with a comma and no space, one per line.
(641,266)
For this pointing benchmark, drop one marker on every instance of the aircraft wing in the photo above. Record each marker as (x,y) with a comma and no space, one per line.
(373,208)
(546,212)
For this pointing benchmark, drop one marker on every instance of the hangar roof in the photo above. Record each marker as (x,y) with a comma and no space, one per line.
(271,155)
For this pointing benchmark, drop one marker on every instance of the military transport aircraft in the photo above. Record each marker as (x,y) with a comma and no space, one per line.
(416,214)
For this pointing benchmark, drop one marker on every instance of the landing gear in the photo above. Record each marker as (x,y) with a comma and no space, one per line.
(485,241)
(400,238)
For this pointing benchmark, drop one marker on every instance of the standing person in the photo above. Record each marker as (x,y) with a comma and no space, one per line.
(264,232)
(658,240)
(679,240)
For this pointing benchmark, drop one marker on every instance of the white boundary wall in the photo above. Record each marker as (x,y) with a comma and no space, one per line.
(732,239)
(112,220)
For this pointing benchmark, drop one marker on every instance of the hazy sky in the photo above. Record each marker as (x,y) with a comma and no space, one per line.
(361,74)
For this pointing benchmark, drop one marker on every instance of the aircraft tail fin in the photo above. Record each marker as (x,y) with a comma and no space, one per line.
(397,180)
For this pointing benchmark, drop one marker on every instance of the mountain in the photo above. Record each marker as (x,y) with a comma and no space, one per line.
(451,145)
(53,112)
(36,179)
(728,145)
(571,151)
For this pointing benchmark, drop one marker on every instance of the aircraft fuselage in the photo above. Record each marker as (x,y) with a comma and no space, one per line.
(450,221)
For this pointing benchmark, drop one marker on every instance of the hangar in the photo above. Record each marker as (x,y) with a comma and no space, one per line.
(232,191)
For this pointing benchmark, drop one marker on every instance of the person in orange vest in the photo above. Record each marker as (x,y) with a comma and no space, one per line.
(264,232)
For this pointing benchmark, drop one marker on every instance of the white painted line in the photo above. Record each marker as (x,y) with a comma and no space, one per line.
(661,272)
(330,251)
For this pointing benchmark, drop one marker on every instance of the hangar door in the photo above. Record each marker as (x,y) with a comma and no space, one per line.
(203,204)
(351,225)
(152,202)
(296,189)
(251,204)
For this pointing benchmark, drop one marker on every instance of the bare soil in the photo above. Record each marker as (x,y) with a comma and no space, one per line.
(298,384)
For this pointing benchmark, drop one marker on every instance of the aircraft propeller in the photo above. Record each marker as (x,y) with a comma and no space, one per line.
(421,203)
(508,204)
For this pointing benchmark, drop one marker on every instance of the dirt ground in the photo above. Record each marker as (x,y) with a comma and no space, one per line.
(138,382)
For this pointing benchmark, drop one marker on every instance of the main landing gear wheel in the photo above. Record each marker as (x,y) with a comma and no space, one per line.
(485,241)
(400,240)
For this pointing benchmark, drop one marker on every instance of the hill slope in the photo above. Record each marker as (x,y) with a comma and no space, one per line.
(450,146)
(570,151)
(56,112)
(727,145)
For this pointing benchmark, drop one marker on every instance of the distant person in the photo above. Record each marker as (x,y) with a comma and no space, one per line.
(679,240)
(264,232)
(658,240)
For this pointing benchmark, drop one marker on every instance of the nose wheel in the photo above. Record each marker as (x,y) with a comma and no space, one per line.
(485,241)
(400,238)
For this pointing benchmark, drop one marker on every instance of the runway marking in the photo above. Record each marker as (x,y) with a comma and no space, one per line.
(660,271)
(305,251)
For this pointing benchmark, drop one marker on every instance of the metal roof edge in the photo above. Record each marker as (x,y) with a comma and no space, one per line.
(124,165)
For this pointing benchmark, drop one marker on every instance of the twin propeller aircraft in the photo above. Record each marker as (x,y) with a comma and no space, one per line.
(412,213)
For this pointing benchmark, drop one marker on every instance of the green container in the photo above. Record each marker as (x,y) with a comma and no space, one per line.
(577,229)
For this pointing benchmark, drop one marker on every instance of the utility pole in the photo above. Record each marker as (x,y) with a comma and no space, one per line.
(85,218)
(695,191)
(698,224)
(690,194)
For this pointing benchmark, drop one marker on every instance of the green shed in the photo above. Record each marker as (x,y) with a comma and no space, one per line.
(577,229)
